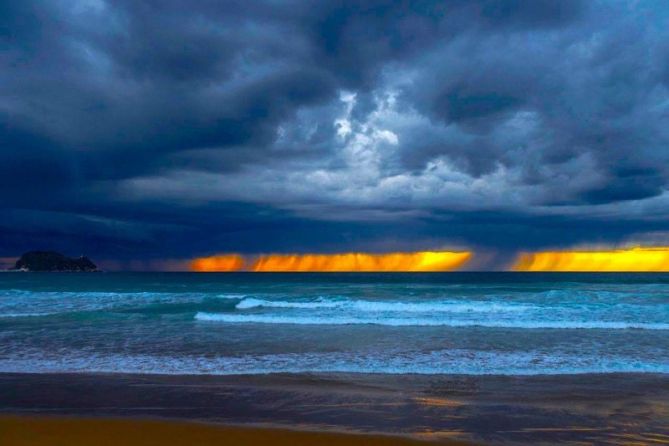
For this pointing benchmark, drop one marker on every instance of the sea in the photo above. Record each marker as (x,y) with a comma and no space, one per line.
(474,323)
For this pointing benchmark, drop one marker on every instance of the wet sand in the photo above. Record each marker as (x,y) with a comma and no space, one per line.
(30,431)
(567,409)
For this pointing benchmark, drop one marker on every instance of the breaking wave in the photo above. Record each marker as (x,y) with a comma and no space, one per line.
(377,306)
(439,362)
(428,322)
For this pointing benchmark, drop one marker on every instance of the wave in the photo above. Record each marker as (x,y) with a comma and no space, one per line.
(230,296)
(380,306)
(422,322)
(62,295)
(24,303)
(444,362)
(94,294)
(252,302)
(602,296)
(16,315)
(333,309)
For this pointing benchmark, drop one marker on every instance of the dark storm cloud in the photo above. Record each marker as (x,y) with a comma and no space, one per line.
(172,129)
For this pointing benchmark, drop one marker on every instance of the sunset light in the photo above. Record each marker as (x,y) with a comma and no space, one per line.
(222,263)
(636,259)
(381,191)
(344,262)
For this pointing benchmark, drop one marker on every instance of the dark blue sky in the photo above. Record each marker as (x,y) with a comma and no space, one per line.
(171,129)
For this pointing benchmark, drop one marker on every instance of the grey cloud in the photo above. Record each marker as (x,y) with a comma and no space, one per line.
(200,121)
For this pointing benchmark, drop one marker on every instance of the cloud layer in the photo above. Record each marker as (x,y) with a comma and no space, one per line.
(170,129)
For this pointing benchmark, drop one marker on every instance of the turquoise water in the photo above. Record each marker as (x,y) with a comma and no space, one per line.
(466,323)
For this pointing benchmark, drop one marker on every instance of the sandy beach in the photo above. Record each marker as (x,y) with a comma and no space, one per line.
(57,431)
(334,409)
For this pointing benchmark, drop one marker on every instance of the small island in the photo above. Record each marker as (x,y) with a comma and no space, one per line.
(50,261)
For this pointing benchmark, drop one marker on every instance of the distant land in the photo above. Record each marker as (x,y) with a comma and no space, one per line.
(52,261)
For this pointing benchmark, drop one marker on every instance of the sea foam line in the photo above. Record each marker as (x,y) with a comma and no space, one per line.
(467,362)
(16,315)
(379,306)
(408,322)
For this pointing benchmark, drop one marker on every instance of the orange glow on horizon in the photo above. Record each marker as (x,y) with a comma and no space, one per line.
(221,263)
(639,259)
(344,262)
(363,262)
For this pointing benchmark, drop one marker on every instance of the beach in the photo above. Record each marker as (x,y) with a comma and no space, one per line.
(24,431)
(487,358)
(334,223)
(576,409)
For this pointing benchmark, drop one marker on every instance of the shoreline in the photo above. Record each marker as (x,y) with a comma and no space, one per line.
(345,375)
(485,409)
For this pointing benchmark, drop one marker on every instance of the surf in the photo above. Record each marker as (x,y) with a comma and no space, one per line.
(419,322)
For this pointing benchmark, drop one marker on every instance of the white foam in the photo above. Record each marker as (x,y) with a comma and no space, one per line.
(13,315)
(251,302)
(456,361)
(385,306)
(414,321)
(231,296)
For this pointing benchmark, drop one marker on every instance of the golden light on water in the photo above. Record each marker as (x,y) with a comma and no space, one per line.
(637,259)
(345,262)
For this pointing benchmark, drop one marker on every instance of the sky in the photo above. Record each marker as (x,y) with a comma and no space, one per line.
(142,133)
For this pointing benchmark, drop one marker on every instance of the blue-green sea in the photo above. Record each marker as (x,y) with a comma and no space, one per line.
(242,323)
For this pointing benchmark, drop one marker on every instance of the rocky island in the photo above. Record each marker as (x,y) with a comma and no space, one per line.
(53,261)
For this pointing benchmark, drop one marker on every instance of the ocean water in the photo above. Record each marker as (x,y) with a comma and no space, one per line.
(450,323)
